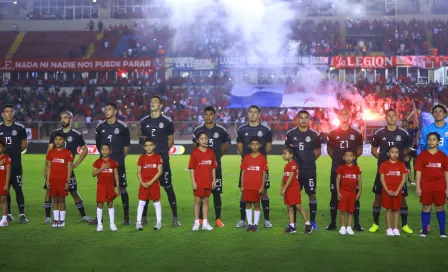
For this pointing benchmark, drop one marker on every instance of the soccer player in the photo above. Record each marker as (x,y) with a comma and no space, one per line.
(116,133)
(74,140)
(202,167)
(254,167)
(439,112)
(307,149)
(160,129)
(5,173)
(290,190)
(412,131)
(393,177)
(341,139)
(107,189)
(218,141)
(432,183)
(14,134)
(255,129)
(59,171)
(390,135)
(347,181)
(150,168)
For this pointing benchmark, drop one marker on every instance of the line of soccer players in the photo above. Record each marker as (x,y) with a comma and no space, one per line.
(254,139)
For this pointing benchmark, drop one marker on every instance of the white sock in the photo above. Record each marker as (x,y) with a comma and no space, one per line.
(141,206)
(307,223)
(249,216)
(256,217)
(63,215)
(56,215)
(112,216)
(204,221)
(291,224)
(158,208)
(4,218)
(196,221)
(99,216)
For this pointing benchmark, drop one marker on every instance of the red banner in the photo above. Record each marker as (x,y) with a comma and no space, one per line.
(363,62)
(424,62)
(80,65)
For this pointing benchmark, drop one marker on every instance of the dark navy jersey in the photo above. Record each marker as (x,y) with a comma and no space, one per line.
(116,135)
(73,140)
(245,132)
(383,138)
(217,135)
(412,134)
(341,140)
(158,129)
(304,144)
(13,136)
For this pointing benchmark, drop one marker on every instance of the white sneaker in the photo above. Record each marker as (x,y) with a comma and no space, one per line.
(206,226)
(87,219)
(139,226)
(4,223)
(267,224)
(196,226)
(47,221)
(343,231)
(113,227)
(390,232)
(241,224)
(396,232)
(61,224)
(99,228)
(443,235)
(350,231)
(55,224)
(158,226)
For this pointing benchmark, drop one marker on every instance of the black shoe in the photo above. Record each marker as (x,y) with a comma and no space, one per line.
(290,229)
(423,233)
(95,221)
(255,228)
(9,218)
(23,219)
(249,228)
(308,229)
(358,227)
(127,221)
(332,226)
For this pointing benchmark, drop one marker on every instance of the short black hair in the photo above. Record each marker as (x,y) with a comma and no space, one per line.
(410,122)
(210,108)
(2,142)
(303,111)
(112,104)
(255,107)
(443,107)
(148,140)
(108,146)
(7,106)
(389,110)
(59,134)
(391,147)
(290,150)
(403,120)
(158,98)
(348,150)
(434,134)
(254,139)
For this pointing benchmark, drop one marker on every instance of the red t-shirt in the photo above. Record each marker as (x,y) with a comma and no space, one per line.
(433,167)
(349,177)
(59,160)
(291,167)
(203,164)
(106,177)
(253,171)
(149,165)
(3,169)
(393,173)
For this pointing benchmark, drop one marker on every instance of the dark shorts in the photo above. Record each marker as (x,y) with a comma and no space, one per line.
(16,178)
(307,180)
(73,184)
(165,179)
(267,183)
(378,187)
(218,187)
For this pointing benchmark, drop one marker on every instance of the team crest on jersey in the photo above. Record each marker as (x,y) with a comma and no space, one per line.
(116,131)
(352,137)
(260,134)
(398,138)
(14,133)
(69,139)
(161,125)
(308,139)
(216,135)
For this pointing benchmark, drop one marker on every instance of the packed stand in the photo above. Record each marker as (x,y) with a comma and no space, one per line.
(317,39)
(440,36)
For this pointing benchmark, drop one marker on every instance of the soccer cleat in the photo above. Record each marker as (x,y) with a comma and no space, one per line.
(55,224)
(158,226)
(176,222)
(145,220)
(332,226)
(99,228)
(9,218)
(113,227)
(407,229)
(374,228)
(290,229)
(207,226)
(61,224)
(87,219)
(249,228)
(139,226)
(23,219)
(267,224)
(308,229)
(200,221)
(314,225)
(358,227)
(390,232)
(255,228)
(94,221)
(423,233)
(443,235)
(396,232)
(219,223)
(127,221)
(4,223)
(241,224)
(343,231)
(47,221)
(350,231)
(196,226)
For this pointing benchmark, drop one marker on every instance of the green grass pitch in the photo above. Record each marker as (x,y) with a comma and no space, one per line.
(77,247)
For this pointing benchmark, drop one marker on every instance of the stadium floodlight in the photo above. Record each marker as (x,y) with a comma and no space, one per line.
(14,2)
(93,1)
